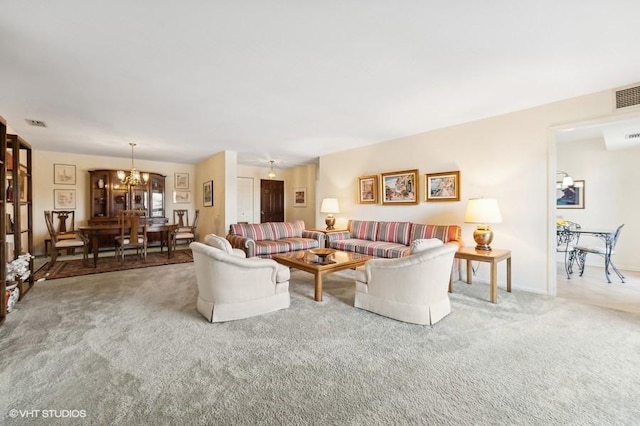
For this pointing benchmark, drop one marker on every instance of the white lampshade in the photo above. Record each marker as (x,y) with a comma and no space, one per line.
(483,210)
(330,205)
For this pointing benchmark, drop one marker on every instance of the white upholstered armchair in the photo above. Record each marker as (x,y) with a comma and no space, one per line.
(232,287)
(413,288)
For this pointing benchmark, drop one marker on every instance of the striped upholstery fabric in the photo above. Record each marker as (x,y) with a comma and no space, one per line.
(394,232)
(335,236)
(351,244)
(300,243)
(445,233)
(268,248)
(396,252)
(363,230)
(287,229)
(255,231)
(381,248)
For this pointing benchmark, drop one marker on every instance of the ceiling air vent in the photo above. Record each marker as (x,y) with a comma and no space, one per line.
(36,123)
(627,97)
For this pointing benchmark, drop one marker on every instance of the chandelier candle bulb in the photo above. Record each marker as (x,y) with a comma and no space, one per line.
(134,177)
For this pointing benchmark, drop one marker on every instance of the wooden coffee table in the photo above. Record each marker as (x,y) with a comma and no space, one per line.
(305,261)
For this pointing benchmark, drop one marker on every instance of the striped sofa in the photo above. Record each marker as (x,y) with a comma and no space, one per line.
(267,239)
(389,239)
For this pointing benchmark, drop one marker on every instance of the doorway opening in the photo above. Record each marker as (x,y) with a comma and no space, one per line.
(603,168)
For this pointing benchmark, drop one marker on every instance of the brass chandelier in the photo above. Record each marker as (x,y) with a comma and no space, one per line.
(134,177)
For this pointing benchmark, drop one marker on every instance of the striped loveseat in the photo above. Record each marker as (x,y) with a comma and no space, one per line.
(389,239)
(267,239)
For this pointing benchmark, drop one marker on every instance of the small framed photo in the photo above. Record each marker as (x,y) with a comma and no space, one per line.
(443,186)
(207,193)
(64,199)
(571,197)
(181,181)
(64,174)
(400,187)
(181,197)
(300,197)
(368,189)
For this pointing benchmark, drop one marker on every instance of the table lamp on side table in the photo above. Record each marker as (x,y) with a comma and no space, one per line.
(483,211)
(330,205)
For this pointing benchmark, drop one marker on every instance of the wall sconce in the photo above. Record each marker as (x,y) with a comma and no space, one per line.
(272,173)
(330,205)
(567,181)
(483,211)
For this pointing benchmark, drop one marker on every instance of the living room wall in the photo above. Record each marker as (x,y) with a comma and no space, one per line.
(509,157)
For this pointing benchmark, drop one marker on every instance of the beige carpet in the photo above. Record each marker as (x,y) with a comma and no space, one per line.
(132,349)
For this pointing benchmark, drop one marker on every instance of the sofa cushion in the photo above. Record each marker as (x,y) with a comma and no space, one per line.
(363,230)
(255,231)
(370,248)
(351,244)
(301,243)
(287,229)
(444,233)
(266,248)
(394,232)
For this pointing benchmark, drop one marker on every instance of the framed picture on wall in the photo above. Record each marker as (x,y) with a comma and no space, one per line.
(181,197)
(571,197)
(368,189)
(64,174)
(443,186)
(64,199)
(400,187)
(207,193)
(181,181)
(300,197)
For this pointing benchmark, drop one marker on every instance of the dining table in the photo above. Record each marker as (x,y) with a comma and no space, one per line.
(95,230)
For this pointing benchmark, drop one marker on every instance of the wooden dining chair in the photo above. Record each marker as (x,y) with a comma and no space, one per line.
(133,233)
(184,231)
(64,238)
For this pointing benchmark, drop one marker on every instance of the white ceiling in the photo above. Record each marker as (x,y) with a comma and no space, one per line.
(294,80)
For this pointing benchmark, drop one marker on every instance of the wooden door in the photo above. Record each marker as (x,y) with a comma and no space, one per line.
(271,200)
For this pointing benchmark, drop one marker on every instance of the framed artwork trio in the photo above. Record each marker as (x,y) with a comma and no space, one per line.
(403,187)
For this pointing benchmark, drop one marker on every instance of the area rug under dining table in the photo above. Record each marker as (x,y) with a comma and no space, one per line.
(77,267)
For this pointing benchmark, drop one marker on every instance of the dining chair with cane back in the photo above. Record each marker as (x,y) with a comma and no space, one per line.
(184,231)
(132,233)
(64,238)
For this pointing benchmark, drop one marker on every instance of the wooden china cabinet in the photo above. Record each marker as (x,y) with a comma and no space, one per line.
(108,196)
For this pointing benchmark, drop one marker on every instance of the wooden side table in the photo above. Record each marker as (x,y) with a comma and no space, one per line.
(493,257)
